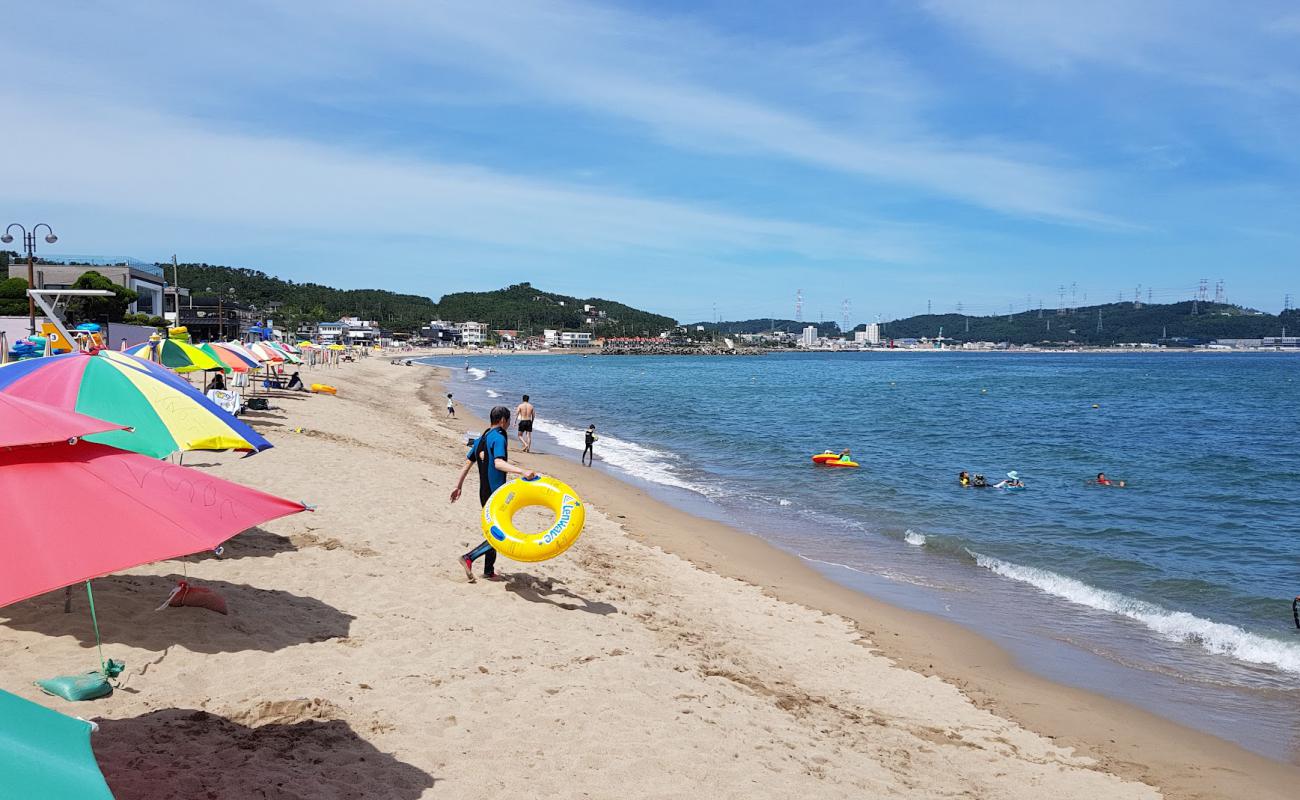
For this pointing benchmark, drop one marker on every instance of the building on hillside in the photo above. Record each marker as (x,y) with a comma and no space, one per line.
(472,334)
(575,339)
(550,338)
(329,332)
(809,338)
(146,280)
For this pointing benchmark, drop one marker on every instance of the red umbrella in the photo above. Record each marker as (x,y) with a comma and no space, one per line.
(72,512)
(24,422)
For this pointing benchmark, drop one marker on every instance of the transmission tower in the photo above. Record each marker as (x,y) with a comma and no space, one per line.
(1074,297)
(798,305)
(1137,296)
(1286,303)
(845,307)
(1099,320)
(1148,295)
(1060,300)
(959,305)
(1219,296)
(927,307)
(1203,290)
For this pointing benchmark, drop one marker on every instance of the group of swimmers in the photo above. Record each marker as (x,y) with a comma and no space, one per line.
(1013,481)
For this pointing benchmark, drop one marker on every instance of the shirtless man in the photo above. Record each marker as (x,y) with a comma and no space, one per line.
(525,413)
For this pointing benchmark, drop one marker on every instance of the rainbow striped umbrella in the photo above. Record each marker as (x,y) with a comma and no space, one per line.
(243,352)
(175,354)
(265,352)
(166,413)
(289,357)
(230,360)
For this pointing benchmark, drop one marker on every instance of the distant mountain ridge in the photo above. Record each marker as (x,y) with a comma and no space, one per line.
(1119,322)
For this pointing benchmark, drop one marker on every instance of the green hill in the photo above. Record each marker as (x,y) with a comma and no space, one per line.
(1119,322)
(521,307)
(515,307)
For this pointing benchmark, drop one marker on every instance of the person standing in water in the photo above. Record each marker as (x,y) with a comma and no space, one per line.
(590,439)
(526,414)
(491,454)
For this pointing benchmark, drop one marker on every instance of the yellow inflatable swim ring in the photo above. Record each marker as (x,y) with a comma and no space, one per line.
(498,519)
(323,389)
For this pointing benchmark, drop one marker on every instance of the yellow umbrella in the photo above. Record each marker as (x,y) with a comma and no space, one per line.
(337,347)
(176,355)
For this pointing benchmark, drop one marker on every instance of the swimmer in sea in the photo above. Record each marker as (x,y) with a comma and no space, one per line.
(1012,481)
(963,479)
(979,482)
(845,456)
(1102,480)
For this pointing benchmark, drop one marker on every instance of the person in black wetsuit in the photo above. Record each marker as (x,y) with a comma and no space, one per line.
(590,439)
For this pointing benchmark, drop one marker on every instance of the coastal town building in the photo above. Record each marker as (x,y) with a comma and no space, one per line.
(146,280)
(575,339)
(440,333)
(809,337)
(209,318)
(472,333)
(871,335)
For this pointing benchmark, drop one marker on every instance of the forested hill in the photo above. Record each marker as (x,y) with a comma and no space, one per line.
(1119,322)
(531,310)
(518,306)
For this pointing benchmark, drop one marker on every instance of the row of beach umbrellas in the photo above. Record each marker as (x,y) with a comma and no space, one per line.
(85,492)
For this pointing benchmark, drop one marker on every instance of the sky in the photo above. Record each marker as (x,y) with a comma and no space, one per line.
(697,159)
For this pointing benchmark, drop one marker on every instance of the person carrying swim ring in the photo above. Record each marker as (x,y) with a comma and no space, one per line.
(491,453)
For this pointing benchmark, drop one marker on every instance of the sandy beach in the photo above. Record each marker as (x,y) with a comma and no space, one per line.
(663,656)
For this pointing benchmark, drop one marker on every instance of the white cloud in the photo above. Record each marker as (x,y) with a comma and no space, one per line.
(133,161)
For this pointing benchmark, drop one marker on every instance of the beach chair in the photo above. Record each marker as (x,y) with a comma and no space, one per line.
(46,754)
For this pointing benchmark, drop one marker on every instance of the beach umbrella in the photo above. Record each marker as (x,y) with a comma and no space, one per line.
(238,347)
(46,754)
(116,510)
(336,347)
(230,360)
(265,352)
(24,422)
(166,413)
(175,354)
(288,356)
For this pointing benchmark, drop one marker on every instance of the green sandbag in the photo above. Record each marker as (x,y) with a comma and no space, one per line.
(83,687)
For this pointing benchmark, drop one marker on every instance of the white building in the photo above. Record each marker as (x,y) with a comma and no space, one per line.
(869,336)
(551,337)
(809,338)
(472,333)
(575,339)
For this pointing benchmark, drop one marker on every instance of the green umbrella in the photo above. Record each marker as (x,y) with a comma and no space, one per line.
(46,754)
(175,355)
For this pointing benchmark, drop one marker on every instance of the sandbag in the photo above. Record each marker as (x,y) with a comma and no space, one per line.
(196,597)
(83,687)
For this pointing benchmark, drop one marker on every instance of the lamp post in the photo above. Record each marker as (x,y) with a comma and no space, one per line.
(29,243)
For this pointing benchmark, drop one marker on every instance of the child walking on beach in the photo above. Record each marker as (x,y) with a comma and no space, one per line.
(587,454)
(451,407)
(491,455)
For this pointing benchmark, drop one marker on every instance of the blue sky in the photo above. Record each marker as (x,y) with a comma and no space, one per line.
(675,155)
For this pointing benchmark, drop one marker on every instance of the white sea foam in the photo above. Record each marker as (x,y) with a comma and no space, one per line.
(913,538)
(1216,637)
(646,463)
(476,374)
(783,502)
(493,394)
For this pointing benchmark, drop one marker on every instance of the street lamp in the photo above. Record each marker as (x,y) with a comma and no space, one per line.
(29,242)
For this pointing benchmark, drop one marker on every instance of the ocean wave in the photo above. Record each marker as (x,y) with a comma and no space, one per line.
(476,374)
(646,463)
(913,538)
(493,394)
(783,502)
(1216,637)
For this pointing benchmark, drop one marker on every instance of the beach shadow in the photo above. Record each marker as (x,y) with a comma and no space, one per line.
(261,415)
(252,543)
(538,590)
(259,619)
(186,754)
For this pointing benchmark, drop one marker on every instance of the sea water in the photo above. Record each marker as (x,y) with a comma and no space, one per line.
(1173,593)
